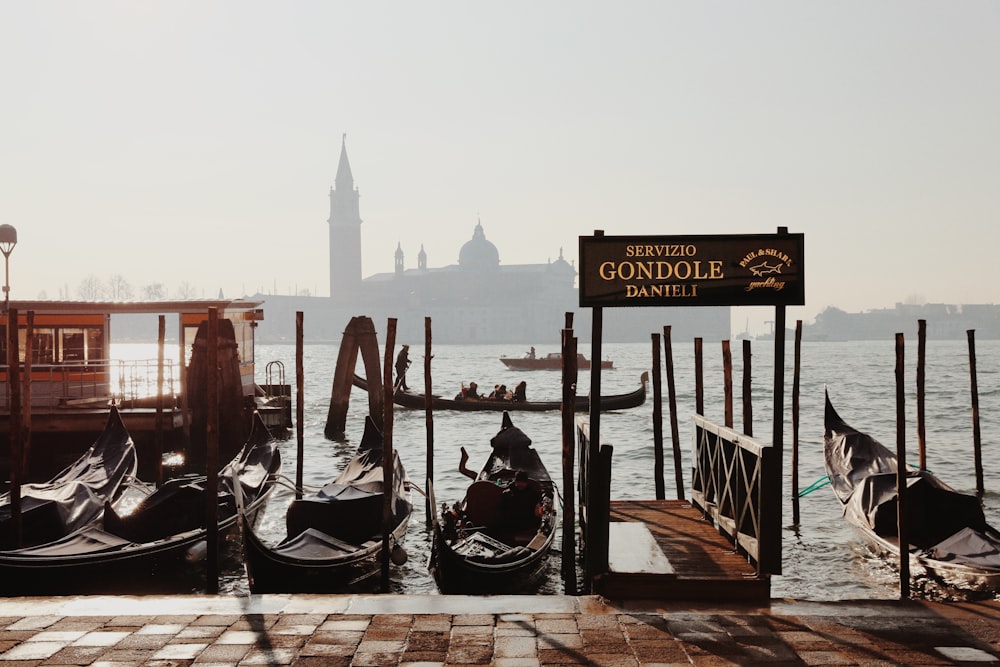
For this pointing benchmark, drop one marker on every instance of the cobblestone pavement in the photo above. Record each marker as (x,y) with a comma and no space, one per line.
(513,631)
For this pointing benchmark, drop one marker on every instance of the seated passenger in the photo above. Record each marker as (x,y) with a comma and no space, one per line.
(520,506)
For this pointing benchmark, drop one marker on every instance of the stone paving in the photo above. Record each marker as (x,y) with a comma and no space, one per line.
(508,631)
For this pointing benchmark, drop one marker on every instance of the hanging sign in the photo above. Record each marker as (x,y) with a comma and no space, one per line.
(701,270)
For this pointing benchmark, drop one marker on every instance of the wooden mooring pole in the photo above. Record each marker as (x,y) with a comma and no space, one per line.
(977,445)
(26,402)
(699,377)
(747,391)
(14,457)
(161,338)
(212,456)
(675,437)
(901,504)
(921,393)
(387,468)
(300,442)
(795,422)
(569,379)
(661,493)
(428,419)
(727,372)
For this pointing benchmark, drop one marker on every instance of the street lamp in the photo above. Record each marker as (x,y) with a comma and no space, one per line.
(8,239)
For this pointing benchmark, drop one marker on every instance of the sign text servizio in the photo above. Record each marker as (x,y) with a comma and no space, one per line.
(735,270)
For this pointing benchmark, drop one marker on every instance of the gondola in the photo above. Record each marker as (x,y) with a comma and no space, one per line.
(334,537)
(949,540)
(413,400)
(154,548)
(76,496)
(478,547)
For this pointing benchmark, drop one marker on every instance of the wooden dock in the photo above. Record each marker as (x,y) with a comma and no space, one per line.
(702,563)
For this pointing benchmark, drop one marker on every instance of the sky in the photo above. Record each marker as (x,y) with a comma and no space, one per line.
(195,142)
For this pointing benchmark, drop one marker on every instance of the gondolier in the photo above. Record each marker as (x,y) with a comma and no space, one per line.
(402,363)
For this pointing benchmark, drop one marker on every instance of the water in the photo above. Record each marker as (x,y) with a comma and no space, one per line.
(823,558)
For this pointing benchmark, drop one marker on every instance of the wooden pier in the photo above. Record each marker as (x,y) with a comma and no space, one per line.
(722,546)
(703,565)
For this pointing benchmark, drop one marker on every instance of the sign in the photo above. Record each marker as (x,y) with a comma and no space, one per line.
(703,270)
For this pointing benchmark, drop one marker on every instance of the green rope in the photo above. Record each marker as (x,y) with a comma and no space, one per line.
(818,484)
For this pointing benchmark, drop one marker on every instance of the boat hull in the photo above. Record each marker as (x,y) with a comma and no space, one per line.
(334,539)
(949,541)
(470,552)
(173,565)
(160,547)
(354,571)
(552,362)
(413,401)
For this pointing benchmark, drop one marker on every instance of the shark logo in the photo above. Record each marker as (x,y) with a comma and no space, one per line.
(764,268)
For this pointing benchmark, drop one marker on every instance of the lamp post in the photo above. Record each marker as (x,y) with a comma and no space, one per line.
(8,239)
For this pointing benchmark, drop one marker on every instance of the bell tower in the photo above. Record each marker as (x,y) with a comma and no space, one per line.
(345,232)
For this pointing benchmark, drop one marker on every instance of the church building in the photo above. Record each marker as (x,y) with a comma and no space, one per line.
(479,299)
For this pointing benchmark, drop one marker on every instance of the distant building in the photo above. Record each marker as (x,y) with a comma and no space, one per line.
(944,322)
(477,300)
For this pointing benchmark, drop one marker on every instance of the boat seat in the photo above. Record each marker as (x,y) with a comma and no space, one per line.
(482,502)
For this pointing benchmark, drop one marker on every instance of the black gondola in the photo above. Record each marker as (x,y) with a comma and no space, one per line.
(76,496)
(413,400)
(478,547)
(949,539)
(152,548)
(334,538)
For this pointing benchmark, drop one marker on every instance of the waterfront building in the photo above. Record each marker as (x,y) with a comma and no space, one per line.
(479,299)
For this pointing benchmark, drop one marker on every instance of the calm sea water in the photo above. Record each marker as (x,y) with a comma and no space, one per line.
(823,558)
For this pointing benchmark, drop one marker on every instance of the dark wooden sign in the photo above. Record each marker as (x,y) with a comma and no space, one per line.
(701,270)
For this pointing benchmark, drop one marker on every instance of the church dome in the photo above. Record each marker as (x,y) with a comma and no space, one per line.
(478,253)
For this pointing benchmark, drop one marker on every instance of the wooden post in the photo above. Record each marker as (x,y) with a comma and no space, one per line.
(161,336)
(668,350)
(387,456)
(212,457)
(772,503)
(747,398)
(699,378)
(300,442)
(26,401)
(569,378)
(183,384)
(569,319)
(727,372)
(901,505)
(597,522)
(657,422)
(14,391)
(921,394)
(795,423)
(977,445)
(428,417)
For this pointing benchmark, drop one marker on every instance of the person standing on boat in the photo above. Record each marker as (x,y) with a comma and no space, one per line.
(520,392)
(402,363)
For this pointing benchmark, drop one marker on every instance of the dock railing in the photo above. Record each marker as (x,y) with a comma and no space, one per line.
(736,484)
(96,382)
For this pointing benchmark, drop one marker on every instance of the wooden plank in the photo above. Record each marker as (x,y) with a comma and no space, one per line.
(706,567)
(632,549)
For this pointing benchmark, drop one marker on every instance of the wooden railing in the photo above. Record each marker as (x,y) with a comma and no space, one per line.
(736,484)
(79,383)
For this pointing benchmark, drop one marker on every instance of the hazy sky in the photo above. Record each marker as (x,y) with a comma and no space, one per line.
(197,141)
